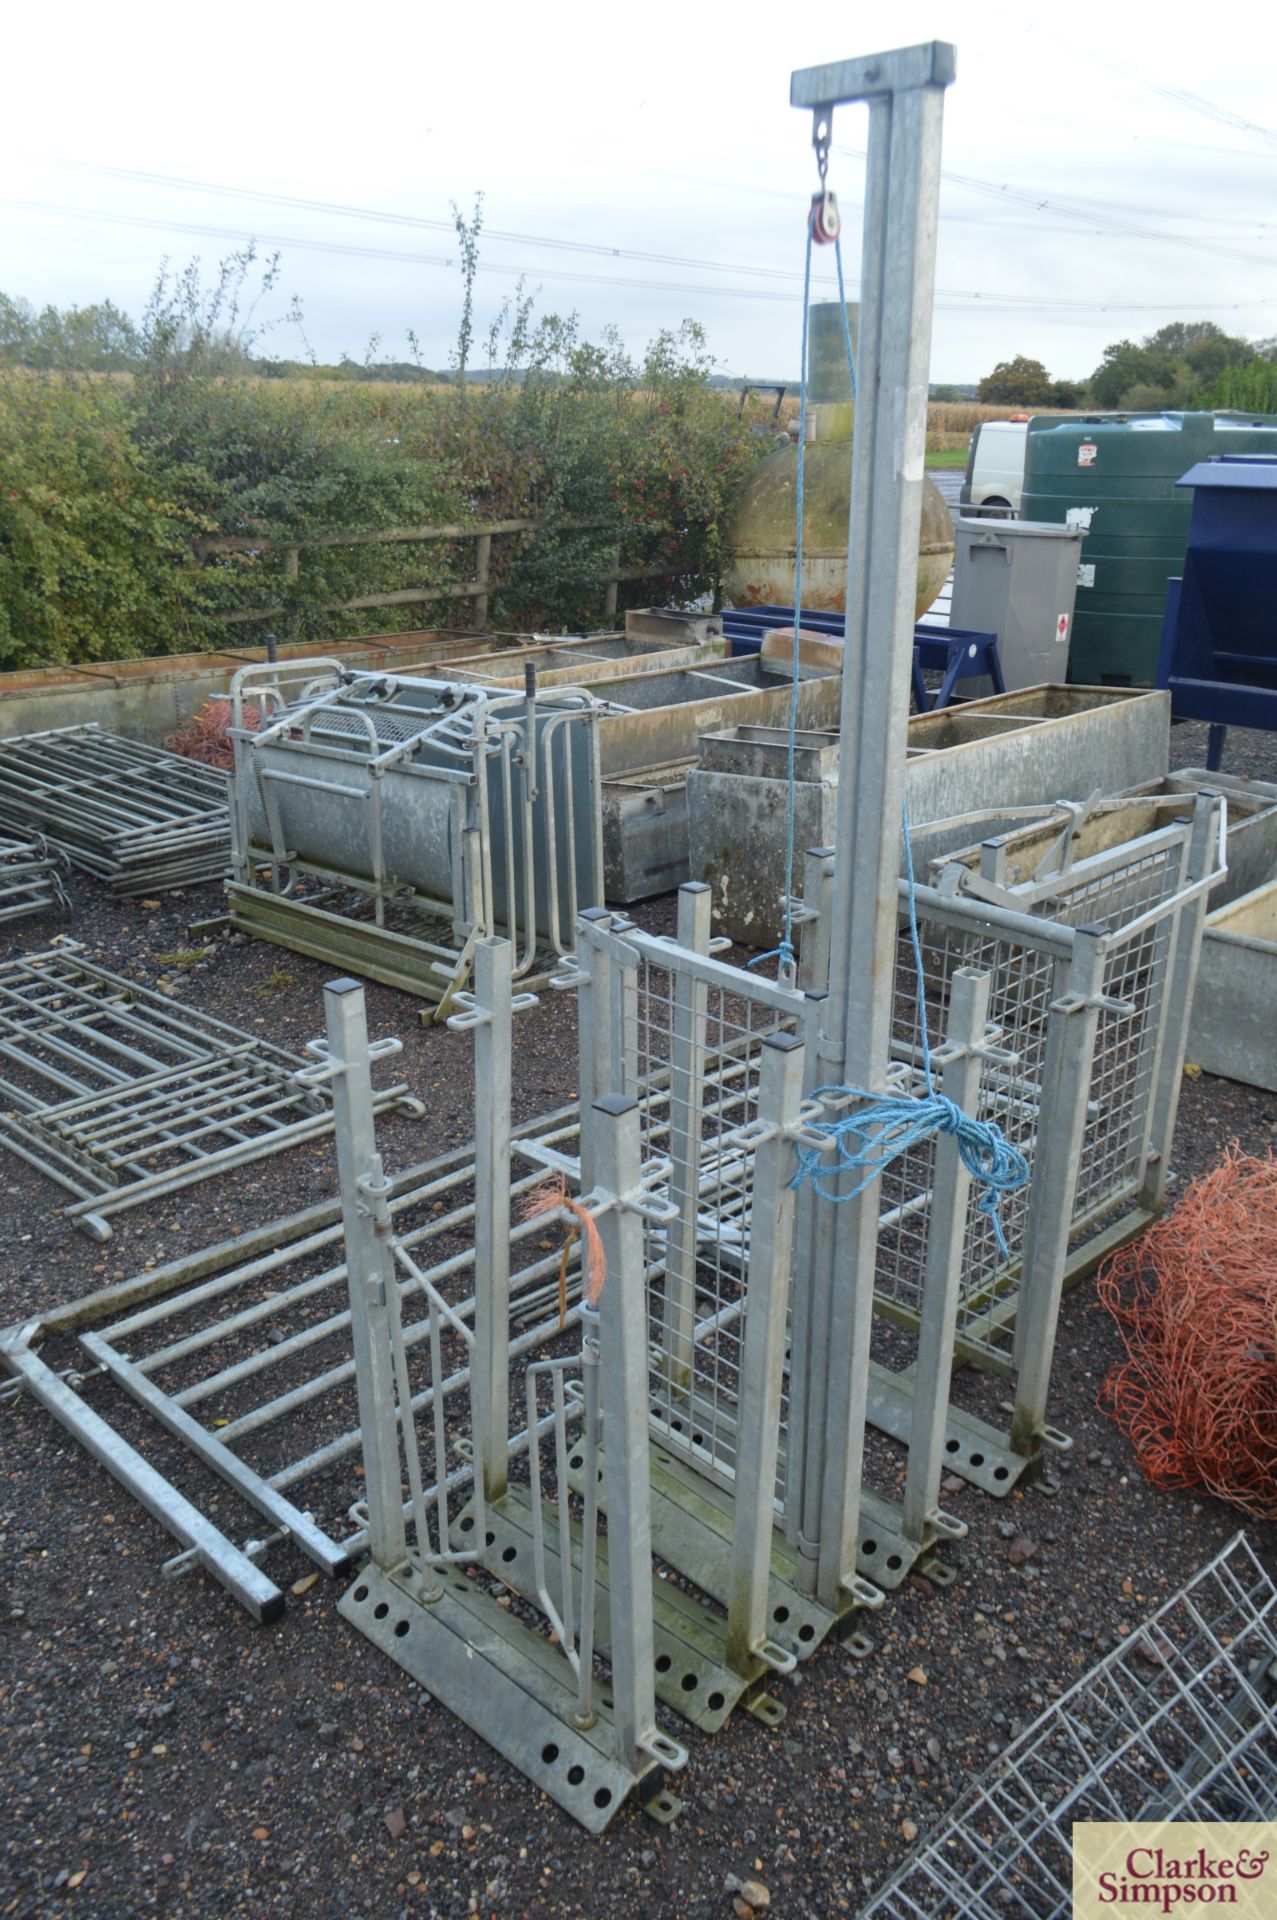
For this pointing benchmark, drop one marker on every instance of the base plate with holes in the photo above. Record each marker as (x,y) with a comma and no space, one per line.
(662,1806)
(884,1555)
(692,1532)
(688,1641)
(765,1707)
(512,1687)
(973,1449)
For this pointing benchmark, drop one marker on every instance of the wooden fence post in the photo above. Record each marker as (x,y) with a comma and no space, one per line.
(482,568)
(292,569)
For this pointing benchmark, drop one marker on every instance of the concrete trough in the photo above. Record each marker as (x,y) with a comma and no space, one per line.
(653,638)
(981,768)
(1252,825)
(649,737)
(1234,1026)
(568,665)
(148,699)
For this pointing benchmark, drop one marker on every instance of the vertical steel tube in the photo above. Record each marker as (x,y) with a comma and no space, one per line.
(590,1508)
(905,91)
(771,1248)
(1173,1008)
(493,989)
(946,1239)
(369,1269)
(687,1087)
(1066,1085)
(594,1023)
(818,884)
(623,1366)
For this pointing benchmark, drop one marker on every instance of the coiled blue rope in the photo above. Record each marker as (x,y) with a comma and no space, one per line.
(884,1126)
(888,1126)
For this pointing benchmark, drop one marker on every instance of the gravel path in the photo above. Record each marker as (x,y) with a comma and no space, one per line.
(164,1755)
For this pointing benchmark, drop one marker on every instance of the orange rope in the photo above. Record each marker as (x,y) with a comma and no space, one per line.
(1195,1299)
(552,1196)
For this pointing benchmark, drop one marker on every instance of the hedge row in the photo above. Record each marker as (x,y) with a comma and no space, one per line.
(110,485)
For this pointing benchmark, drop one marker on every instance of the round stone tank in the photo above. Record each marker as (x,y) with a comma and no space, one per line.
(761,571)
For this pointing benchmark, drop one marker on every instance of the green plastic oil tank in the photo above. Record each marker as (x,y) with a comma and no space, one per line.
(760,572)
(1118,472)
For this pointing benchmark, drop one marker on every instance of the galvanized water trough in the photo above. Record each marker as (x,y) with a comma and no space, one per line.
(1008,755)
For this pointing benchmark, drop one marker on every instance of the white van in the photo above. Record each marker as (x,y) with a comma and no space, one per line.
(994,479)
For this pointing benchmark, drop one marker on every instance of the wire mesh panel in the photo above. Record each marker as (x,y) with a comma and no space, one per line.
(1126,1044)
(1132,898)
(688,1039)
(1175,1724)
(1023,982)
(1135,889)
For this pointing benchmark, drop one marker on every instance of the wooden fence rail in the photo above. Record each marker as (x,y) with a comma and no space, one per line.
(477,590)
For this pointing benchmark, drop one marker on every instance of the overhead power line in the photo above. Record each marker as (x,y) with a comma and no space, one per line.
(1095,214)
(1087,213)
(1195,103)
(949,299)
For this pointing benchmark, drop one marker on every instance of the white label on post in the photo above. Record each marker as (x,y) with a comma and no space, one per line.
(1086,574)
(1079,518)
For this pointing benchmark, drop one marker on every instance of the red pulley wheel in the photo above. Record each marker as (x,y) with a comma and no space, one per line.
(824,219)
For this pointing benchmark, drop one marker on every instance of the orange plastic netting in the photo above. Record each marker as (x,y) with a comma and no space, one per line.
(1195,1299)
(205,735)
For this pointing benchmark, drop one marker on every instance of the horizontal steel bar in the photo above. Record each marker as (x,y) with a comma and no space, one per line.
(270,1503)
(840,82)
(215,1553)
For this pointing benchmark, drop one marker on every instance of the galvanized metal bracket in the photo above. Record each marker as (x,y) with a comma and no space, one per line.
(472,1015)
(329,1070)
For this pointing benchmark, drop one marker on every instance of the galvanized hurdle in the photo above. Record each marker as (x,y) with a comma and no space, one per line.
(1091,966)
(1176,1724)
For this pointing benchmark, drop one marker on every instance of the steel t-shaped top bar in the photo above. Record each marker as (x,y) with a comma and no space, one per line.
(905,94)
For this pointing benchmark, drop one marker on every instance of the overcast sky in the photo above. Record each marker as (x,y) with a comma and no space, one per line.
(1110,167)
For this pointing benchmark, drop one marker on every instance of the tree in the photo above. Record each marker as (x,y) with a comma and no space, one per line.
(17,317)
(1246,389)
(96,339)
(1173,367)
(468,232)
(1126,366)
(1017,383)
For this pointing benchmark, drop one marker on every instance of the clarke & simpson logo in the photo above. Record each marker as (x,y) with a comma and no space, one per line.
(1166,1867)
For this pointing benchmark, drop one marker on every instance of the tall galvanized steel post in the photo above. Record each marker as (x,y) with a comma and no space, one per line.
(623,1363)
(905,93)
(370,1272)
(493,983)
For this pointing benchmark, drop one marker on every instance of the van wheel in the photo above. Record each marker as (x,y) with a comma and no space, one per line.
(995,508)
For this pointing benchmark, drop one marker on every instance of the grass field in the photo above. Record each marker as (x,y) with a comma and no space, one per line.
(949,422)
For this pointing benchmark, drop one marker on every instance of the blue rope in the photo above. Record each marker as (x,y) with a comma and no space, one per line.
(891,1125)
(886,1126)
(846,324)
(784,953)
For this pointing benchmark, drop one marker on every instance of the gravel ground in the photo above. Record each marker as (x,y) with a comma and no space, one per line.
(164,1755)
